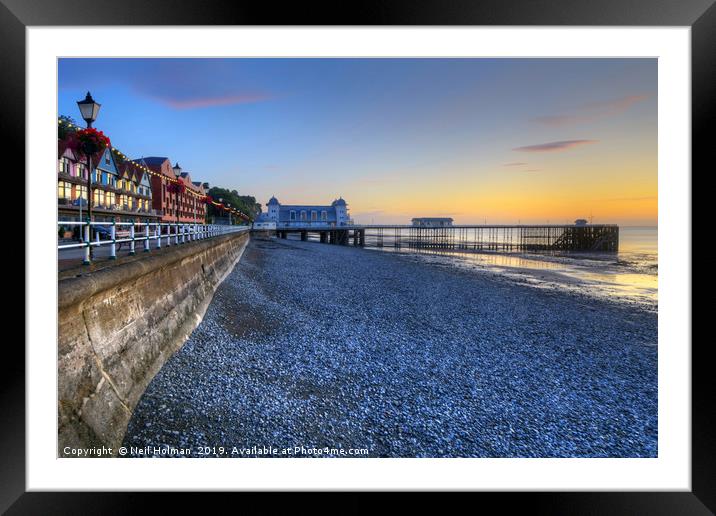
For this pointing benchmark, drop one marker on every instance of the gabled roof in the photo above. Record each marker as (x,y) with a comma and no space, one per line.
(131,168)
(63,146)
(124,170)
(143,178)
(156,164)
(98,161)
(153,160)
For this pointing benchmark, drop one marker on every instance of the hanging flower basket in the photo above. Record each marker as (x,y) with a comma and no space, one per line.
(177,188)
(91,141)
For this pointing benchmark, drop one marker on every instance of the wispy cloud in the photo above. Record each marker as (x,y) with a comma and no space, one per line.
(561,120)
(591,111)
(630,199)
(514,164)
(202,102)
(175,83)
(554,146)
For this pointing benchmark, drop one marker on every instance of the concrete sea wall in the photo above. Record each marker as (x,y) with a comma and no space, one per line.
(119,325)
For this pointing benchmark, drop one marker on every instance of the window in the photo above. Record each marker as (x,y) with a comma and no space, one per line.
(80,171)
(80,191)
(64,190)
(98,197)
(293,215)
(324,215)
(303,214)
(109,198)
(314,215)
(65,165)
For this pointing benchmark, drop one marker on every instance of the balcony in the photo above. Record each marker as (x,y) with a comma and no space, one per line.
(64,176)
(305,223)
(120,209)
(71,203)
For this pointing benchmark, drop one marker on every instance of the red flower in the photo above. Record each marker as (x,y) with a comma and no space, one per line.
(90,141)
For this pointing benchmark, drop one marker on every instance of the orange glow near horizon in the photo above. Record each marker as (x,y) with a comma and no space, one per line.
(625,195)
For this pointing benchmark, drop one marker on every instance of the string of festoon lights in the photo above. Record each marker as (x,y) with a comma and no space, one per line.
(206,198)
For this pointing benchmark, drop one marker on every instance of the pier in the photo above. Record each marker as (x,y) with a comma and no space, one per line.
(497,238)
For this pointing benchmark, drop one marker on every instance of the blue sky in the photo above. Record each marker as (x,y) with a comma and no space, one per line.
(475,139)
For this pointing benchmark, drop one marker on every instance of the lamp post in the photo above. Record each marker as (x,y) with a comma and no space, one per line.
(221,201)
(177,172)
(89,109)
(228,204)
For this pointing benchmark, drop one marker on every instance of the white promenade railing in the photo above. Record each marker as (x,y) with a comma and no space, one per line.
(139,234)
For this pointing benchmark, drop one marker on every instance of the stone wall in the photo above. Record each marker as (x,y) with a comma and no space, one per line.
(119,325)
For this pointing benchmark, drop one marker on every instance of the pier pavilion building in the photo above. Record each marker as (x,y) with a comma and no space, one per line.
(288,215)
(432,222)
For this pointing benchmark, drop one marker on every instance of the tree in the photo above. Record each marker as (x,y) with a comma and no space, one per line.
(245,203)
(66,126)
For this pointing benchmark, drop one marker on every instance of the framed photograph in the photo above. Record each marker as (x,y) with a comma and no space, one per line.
(409,248)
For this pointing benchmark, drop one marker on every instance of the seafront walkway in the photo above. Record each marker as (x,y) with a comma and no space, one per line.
(309,345)
(111,241)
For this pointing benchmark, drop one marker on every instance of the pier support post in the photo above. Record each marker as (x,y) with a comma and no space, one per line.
(304,236)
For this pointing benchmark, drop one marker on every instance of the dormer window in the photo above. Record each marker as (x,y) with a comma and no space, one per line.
(65,165)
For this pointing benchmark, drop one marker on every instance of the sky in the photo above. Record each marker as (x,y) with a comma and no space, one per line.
(501,141)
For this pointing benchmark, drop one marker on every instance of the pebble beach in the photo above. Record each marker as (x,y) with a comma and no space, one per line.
(309,345)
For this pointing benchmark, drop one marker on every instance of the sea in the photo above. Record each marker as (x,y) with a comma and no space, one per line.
(627,276)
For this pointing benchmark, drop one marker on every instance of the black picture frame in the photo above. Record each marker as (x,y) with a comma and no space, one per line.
(700,15)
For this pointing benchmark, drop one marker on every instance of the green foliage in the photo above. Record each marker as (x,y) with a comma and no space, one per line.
(245,203)
(63,130)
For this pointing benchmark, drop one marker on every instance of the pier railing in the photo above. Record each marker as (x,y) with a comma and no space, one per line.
(515,238)
(114,235)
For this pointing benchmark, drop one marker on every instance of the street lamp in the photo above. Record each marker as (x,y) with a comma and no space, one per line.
(177,172)
(89,109)
(230,221)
